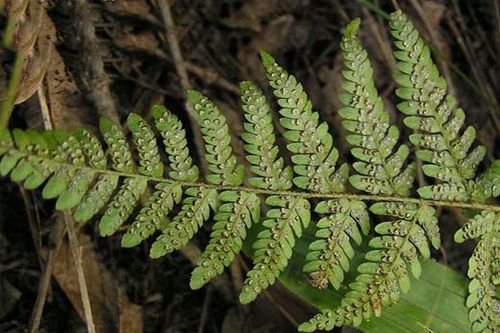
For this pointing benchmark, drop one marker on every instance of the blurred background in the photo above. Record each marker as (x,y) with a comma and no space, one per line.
(86,59)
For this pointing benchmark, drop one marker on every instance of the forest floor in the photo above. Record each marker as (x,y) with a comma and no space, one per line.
(109,58)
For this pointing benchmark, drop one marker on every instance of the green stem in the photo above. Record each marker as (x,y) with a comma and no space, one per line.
(10,94)
(302,194)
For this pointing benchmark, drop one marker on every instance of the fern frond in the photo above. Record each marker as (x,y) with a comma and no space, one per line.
(195,210)
(274,244)
(399,242)
(435,115)
(311,145)
(237,209)
(331,252)
(380,163)
(111,181)
(196,205)
(273,247)
(262,152)
(385,274)
(484,270)
(145,143)
(176,146)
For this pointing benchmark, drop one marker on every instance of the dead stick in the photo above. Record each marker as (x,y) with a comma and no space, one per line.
(204,310)
(180,67)
(36,316)
(77,256)
(43,288)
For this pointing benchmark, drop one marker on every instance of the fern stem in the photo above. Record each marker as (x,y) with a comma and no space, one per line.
(302,194)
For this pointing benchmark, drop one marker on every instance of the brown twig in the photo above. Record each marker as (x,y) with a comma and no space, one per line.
(43,288)
(204,310)
(94,78)
(77,256)
(210,76)
(180,67)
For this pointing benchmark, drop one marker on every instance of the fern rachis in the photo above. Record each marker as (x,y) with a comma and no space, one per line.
(74,168)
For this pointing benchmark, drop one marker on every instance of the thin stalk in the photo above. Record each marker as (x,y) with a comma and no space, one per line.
(10,94)
(302,194)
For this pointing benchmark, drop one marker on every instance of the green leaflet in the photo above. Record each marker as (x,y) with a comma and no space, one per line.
(195,210)
(219,154)
(261,142)
(122,204)
(484,268)
(273,247)
(331,252)
(311,144)
(147,149)
(118,147)
(176,146)
(435,114)
(381,162)
(236,213)
(157,208)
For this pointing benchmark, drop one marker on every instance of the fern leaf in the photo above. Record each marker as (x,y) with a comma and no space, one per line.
(157,208)
(195,211)
(380,164)
(237,209)
(219,154)
(176,146)
(274,244)
(237,213)
(262,152)
(147,148)
(483,300)
(311,144)
(435,115)
(122,205)
(331,252)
